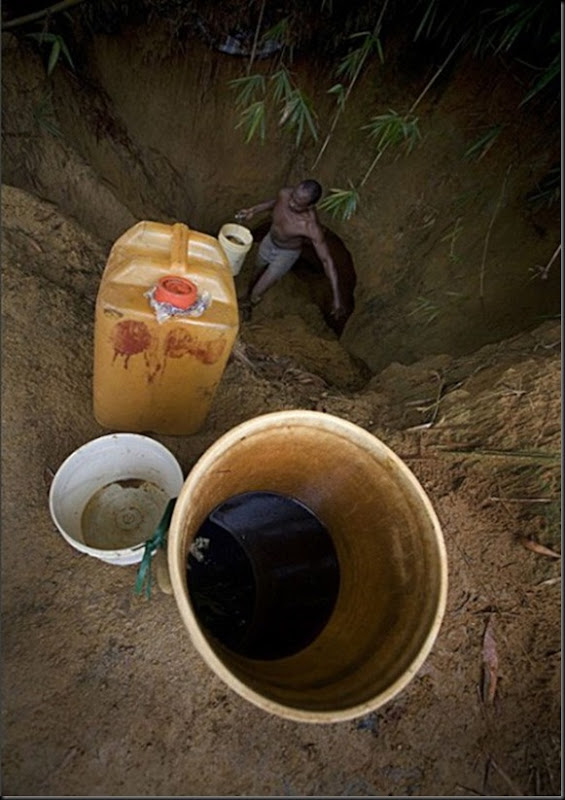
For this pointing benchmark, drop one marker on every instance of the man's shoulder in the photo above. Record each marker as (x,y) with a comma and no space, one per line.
(313,224)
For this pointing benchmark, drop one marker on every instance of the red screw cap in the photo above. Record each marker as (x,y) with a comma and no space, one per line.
(178,292)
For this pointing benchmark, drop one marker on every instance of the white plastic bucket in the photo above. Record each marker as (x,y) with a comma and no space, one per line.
(236,242)
(112,492)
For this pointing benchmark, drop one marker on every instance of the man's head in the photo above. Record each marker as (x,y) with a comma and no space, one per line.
(306,194)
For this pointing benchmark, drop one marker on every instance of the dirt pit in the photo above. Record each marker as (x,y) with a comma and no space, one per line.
(104,693)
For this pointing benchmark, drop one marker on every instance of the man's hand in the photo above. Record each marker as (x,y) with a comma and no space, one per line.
(247,213)
(338,311)
(244,214)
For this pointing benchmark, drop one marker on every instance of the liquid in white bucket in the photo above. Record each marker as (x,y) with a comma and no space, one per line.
(235,240)
(123,514)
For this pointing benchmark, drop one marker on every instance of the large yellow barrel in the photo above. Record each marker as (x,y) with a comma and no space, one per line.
(165,323)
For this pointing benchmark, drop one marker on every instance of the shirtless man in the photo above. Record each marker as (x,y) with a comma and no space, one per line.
(294,221)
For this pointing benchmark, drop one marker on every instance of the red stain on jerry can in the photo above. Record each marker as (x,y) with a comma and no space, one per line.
(130,338)
(165,323)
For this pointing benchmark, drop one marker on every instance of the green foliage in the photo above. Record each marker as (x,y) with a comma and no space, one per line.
(351,67)
(58,49)
(252,114)
(488,27)
(548,190)
(393,129)
(281,85)
(298,115)
(341,203)
(517,21)
(482,145)
(339,92)
(252,119)
(509,29)
(429,21)
(248,88)
(351,64)
(550,75)
(281,32)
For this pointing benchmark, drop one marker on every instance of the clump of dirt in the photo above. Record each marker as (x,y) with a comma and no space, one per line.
(103,692)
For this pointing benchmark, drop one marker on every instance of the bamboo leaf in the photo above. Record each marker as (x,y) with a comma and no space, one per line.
(341,203)
(339,92)
(54,56)
(351,64)
(42,37)
(282,85)
(66,53)
(519,18)
(552,72)
(297,114)
(359,34)
(58,46)
(428,18)
(393,129)
(248,86)
(280,31)
(380,50)
(253,120)
(483,144)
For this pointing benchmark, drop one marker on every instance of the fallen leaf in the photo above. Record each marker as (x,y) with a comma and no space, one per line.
(529,544)
(549,582)
(490,664)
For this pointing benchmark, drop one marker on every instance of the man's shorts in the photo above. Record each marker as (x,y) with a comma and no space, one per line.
(278,259)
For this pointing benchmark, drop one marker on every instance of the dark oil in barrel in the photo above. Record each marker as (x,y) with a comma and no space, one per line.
(263,575)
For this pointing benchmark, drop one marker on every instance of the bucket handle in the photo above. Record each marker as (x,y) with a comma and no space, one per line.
(157,541)
(179,247)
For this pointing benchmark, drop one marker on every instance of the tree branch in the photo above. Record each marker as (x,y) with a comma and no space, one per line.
(54,9)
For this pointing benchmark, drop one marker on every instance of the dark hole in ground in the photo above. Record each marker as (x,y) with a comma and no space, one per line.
(263,575)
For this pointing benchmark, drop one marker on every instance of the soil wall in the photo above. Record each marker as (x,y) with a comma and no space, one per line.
(448,251)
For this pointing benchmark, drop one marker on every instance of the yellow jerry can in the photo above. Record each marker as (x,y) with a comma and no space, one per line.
(166,321)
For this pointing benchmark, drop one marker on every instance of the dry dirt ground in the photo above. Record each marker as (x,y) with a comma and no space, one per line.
(103,692)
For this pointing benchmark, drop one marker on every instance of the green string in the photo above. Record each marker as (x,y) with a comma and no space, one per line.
(159,539)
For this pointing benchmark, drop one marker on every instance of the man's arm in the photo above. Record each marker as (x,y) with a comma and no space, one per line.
(248,213)
(322,249)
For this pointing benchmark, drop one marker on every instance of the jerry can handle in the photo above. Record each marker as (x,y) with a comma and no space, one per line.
(179,247)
